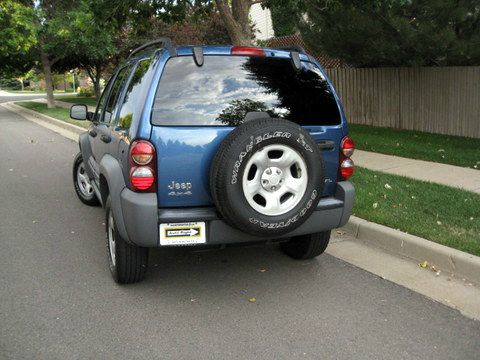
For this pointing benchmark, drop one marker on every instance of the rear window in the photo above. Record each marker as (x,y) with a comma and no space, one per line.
(225,88)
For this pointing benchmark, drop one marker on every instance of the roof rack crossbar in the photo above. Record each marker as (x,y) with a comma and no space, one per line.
(164,41)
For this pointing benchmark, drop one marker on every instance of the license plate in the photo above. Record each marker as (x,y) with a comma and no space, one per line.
(182,233)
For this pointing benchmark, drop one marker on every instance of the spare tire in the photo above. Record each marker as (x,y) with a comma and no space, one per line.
(267,177)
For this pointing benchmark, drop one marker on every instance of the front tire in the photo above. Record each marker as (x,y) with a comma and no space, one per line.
(128,263)
(306,246)
(82,184)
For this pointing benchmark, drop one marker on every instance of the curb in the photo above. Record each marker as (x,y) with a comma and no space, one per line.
(456,262)
(29,114)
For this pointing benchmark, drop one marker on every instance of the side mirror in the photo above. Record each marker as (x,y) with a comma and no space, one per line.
(79,112)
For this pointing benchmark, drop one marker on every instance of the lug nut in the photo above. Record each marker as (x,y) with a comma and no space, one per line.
(265,181)
(269,172)
(278,171)
(273,187)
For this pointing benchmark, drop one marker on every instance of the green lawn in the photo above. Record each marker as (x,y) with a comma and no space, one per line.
(38,91)
(90,101)
(439,213)
(446,149)
(57,113)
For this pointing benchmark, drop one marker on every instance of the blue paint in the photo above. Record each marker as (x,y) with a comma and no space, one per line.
(184,153)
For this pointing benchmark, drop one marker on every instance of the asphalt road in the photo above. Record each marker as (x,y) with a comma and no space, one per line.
(59,302)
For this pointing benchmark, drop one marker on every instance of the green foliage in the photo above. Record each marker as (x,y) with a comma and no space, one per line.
(286,15)
(435,212)
(395,33)
(18,38)
(9,84)
(454,150)
(86,92)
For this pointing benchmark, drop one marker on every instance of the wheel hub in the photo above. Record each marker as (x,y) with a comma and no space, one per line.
(275,179)
(272,178)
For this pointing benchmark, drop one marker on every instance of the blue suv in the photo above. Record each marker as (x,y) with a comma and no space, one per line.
(215,145)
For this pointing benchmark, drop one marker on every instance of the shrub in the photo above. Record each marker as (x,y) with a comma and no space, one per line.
(88,92)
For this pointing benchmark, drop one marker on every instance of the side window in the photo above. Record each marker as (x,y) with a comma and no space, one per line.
(133,94)
(103,98)
(116,88)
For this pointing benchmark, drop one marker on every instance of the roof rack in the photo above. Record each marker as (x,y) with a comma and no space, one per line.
(296,48)
(164,41)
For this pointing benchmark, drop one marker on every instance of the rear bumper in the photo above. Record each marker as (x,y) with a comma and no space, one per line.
(142,218)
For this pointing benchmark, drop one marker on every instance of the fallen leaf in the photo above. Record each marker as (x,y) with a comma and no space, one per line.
(262,270)
(252,300)
(375,205)
(387,186)
(441,150)
(423,264)
(439,222)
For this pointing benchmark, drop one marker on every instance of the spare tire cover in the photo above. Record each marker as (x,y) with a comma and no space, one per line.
(267,177)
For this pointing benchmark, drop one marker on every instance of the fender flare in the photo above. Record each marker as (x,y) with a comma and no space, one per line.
(111,171)
(86,150)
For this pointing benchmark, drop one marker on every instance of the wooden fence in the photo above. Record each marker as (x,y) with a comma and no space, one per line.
(443,100)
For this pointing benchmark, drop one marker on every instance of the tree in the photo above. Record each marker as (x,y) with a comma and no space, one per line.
(286,15)
(236,20)
(89,44)
(395,33)
(19,38)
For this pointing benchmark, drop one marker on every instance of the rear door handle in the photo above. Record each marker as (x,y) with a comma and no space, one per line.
(92,133)
(106,138)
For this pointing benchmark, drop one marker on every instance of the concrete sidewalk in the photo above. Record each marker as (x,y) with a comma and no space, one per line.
(450,175)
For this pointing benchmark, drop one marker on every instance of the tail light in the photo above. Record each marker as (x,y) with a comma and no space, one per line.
(142,166)
(347,167)
(247,51)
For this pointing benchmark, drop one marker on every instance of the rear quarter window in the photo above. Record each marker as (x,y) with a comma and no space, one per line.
(133,94)
(225,88)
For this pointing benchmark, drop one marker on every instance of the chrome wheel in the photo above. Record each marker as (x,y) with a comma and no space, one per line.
(83,182)
(111,238)
(275,180)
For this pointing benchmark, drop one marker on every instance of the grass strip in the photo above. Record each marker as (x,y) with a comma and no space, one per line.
(57,113)
(454,150)
(445,215)
(90,101)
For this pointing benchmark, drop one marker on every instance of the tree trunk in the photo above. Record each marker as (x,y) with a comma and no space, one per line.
(96,82)
(95,75)
(96,87)
(236,22)
(21,84)
(47,71)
